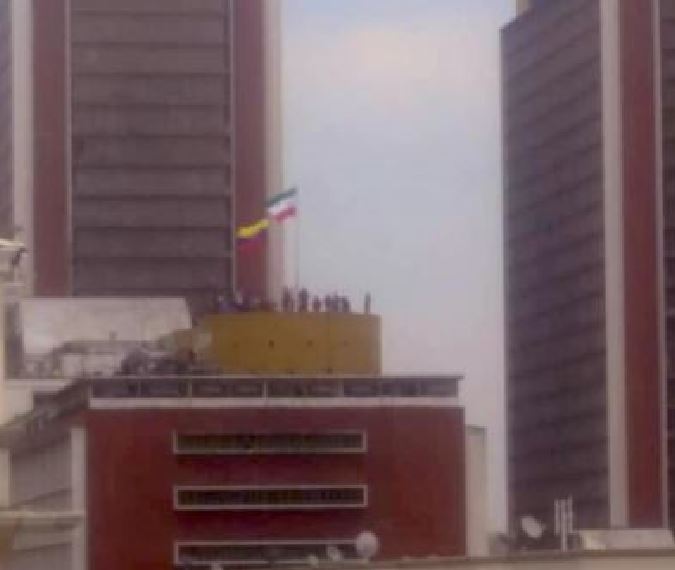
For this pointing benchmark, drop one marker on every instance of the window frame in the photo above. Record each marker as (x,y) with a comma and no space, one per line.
(358,450)
(235,507)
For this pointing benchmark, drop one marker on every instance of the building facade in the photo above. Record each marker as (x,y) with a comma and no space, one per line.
(136,136)
(588,99)
(242,471)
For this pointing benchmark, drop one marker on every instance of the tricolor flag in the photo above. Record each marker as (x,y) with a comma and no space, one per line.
(248,236)
(282,206)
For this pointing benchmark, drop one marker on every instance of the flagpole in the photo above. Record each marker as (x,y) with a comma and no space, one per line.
(297,242)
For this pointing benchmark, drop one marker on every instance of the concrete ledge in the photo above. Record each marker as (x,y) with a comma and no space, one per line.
(600,560)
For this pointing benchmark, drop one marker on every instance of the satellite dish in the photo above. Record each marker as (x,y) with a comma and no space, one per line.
(334,554)
(532,527)
(367,545)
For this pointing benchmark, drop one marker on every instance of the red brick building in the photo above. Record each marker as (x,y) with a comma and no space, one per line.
(238,471)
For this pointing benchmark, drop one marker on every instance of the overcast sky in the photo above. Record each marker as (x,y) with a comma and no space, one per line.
(392,135)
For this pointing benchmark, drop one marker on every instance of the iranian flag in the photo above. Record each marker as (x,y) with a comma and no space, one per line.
(283,206)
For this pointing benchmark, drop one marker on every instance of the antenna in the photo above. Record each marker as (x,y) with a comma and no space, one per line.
(532,528)
(563,510)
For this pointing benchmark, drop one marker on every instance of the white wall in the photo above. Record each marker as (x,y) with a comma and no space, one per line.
(476,492)
(41,478)
(51,479)
(45,557)
(48,323)
(19,394)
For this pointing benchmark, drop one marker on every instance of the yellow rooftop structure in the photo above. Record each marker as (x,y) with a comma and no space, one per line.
(288,342)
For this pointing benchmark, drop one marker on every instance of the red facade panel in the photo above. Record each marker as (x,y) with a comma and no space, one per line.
(250,138)
(414,469)
(643,381)
(50,203)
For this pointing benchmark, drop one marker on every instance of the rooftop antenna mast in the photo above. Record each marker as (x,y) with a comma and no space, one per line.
(564,521)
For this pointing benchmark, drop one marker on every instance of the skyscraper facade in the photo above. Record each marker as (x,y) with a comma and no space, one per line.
(141,134)
(588,106)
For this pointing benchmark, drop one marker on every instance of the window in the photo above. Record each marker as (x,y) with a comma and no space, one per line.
(115,389)
(248,388)
(270,444)
(401,388)
(438,388)
(194,554)
(303,389)
(282,388)
(164,389)
(307,497)
(361,389)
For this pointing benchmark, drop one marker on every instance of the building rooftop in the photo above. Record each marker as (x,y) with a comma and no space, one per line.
(69,338)
(48,324)
(214,392)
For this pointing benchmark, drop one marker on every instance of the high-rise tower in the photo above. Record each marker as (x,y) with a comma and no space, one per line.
(589,129)
(137,135)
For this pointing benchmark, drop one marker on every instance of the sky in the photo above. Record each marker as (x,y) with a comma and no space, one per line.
(392,136)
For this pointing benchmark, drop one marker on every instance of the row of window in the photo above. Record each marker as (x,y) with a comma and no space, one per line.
(264,498)
(524,305)
(552,28)
(194,554)
(543,358)
(269,444)
(573,89)
(556,325)
(543,133)
(276,388)
(528,248)
(549,269)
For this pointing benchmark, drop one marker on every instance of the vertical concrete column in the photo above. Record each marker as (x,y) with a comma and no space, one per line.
(476,492)
(4,455)
(614,266)
(23,140)
(274,141)
(78,481)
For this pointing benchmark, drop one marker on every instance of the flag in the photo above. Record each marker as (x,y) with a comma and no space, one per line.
(250,236)
(254,230)
(282,206)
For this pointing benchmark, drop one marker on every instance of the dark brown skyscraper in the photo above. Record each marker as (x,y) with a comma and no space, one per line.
(589,128)
(142,133)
